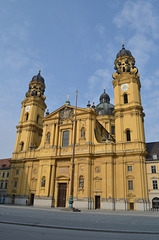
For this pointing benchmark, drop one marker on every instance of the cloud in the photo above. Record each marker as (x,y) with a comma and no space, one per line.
(96,56)
(100,29)
(100,79)
(101,76)
(142,48)
(140,20)
(140,16)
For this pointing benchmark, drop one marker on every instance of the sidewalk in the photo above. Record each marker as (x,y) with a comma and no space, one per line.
(87,211)
(135,222)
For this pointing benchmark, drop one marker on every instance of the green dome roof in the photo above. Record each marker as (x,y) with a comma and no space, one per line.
(104,107)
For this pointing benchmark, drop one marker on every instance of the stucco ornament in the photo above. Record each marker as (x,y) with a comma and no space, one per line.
(65,114)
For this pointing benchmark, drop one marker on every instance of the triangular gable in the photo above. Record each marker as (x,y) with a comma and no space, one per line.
(67,107)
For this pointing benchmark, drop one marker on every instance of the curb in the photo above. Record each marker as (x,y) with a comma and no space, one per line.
(80,229)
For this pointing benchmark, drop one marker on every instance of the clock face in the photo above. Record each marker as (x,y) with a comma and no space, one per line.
(125,87)
(27,108)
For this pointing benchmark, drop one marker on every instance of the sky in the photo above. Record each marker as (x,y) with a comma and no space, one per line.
(74,43)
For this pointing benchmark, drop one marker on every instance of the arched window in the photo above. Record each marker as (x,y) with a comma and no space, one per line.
(125,98)
(27,116)
(155,202)
(128,136)
(82,133)
(15,183)
(1,184)
(48,137)
(22,146)
(43,181)
(37,119)
(6,184)
(81,182)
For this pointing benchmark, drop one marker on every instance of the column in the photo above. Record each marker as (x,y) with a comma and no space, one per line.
(56,135)
(88,130)
(60,137)
(52,181)
(77,132)
(17,148)
(52,135)
(28,179)
(76,180)
(93,127)
(39,181)
(25,172)
(22,114)
(35,113)
(104,176)
(43,137)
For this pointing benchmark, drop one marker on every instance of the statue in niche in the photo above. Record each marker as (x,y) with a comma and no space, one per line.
(81,182)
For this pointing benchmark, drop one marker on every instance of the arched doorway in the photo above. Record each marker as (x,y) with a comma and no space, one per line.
(155,203)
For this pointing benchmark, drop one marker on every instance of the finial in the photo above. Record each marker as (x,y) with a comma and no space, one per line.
(93,106)
(67,101)
(104,89)
(122,44)
(88,105)
(47,112)
(40,70)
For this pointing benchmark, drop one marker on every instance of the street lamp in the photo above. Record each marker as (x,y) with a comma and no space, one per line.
(72,175)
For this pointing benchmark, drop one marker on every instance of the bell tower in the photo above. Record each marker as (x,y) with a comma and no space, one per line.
(128,109)
(29,130)
(129,162)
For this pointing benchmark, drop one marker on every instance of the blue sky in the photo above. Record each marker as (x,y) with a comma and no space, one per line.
(75,43)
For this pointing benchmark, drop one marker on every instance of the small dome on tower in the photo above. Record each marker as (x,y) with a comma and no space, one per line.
(104,97)
(38,78)
(104,107)
(123,52)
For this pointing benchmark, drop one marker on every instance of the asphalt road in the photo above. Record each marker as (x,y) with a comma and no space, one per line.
(35,223)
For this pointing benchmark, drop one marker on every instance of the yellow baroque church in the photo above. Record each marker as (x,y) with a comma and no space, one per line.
(108,143)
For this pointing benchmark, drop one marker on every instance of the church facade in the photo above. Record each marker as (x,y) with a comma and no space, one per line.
(109,153)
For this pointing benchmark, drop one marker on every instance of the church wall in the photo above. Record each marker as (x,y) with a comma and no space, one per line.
(109,170)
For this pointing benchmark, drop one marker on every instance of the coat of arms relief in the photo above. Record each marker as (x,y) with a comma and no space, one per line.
(65,114)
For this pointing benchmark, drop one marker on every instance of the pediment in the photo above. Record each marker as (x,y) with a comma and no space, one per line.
(130,177)
(97,178)
(154,178)
(62,177)
(66,112)
(14,191)
(131,195)
(34,179)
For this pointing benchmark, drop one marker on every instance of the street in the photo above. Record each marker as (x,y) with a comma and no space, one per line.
(35,223)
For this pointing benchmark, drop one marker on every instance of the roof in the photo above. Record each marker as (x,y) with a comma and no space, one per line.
(153,151)
(5,163)
(104,107)
(38,78)
(123,52)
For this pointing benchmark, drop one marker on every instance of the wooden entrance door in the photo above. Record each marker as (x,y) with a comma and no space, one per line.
(132,206)
(97,202)
(62,195)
